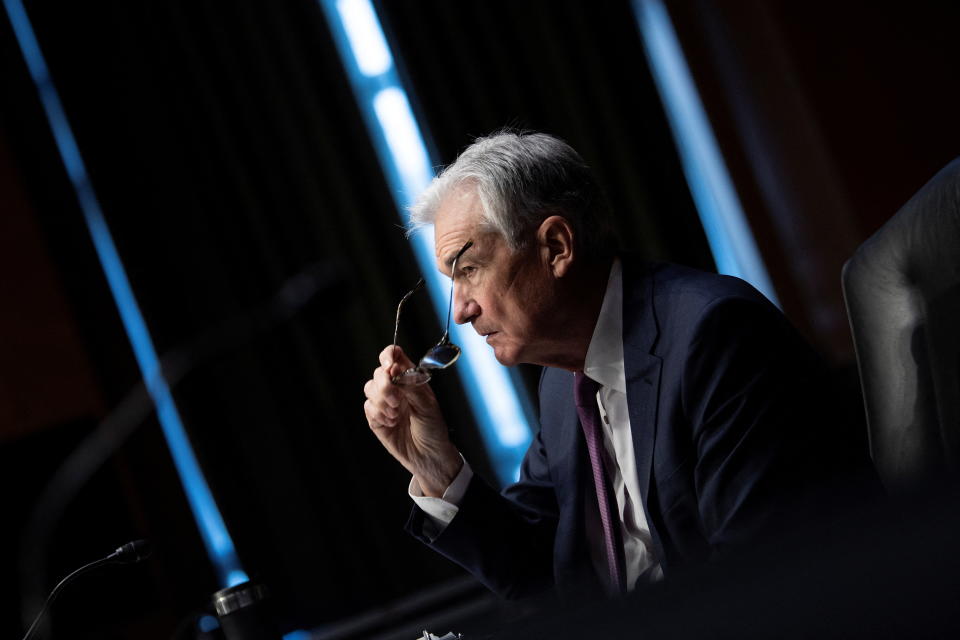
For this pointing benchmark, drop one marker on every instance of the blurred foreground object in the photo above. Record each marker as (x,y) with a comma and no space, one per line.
(902,289)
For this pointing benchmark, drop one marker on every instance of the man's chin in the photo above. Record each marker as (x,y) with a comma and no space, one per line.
(506,357)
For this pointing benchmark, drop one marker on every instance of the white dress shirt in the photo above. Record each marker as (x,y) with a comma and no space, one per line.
(604,364)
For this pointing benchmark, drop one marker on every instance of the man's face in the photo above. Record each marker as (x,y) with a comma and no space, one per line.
(505,295)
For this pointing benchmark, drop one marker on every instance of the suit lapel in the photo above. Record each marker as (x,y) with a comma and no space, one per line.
(572,455)
(641,368)
(574,487)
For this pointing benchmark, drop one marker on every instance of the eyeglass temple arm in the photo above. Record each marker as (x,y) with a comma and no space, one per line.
(396,326)
(453,275)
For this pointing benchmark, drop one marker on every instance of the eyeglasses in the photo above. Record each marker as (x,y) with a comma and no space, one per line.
(441,355)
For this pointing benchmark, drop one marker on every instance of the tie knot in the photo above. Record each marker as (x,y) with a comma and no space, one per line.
(585,390)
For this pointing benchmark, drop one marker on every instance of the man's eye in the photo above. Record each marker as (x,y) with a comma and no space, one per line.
(467,270)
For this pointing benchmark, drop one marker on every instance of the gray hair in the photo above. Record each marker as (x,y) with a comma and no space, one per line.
(522,178)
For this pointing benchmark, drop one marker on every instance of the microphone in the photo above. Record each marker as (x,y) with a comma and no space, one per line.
(130,553)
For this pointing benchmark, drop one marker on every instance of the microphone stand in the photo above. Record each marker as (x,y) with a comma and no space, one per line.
(57,589)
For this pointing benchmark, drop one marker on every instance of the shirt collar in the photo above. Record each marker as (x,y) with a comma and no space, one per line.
(604,361)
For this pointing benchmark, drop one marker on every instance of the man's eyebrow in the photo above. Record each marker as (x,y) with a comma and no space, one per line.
(448,261)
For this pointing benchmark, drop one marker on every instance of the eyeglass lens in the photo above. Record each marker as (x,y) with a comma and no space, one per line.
(444,353)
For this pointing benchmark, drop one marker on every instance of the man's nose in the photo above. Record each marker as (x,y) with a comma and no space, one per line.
(464,306)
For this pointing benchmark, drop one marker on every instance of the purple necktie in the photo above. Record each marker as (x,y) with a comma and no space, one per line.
(585,394)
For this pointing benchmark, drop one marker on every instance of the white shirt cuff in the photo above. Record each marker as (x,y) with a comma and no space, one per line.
(441,511)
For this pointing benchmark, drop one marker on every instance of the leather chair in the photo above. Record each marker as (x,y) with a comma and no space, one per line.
(902,290)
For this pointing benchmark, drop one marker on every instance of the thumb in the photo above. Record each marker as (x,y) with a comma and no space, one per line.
(421,398)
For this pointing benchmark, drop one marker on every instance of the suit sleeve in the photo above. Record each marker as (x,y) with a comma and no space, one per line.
(758,403)
(504,539)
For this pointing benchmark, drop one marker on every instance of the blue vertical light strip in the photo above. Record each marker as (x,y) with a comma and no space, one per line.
(212,528)
(403,156)
(728,233)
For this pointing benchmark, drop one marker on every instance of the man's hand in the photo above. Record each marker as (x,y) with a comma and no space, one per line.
(408,422)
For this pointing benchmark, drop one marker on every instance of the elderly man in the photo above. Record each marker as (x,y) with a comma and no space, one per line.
(680,414)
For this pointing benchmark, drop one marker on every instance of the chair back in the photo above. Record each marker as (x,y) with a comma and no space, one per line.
(902,291)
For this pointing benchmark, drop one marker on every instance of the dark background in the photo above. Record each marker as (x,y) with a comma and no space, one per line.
(228,154)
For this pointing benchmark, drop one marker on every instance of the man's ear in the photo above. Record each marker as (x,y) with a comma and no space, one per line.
(555,244)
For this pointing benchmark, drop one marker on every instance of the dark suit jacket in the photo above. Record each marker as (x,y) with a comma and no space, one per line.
(731,429)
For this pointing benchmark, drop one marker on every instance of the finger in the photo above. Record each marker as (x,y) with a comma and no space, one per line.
(387,397)
(379,416)
(376,400)
(384,412)
(391,394)
(372,414)
(394,356)
(377,389)
(387,413)
(390,354)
